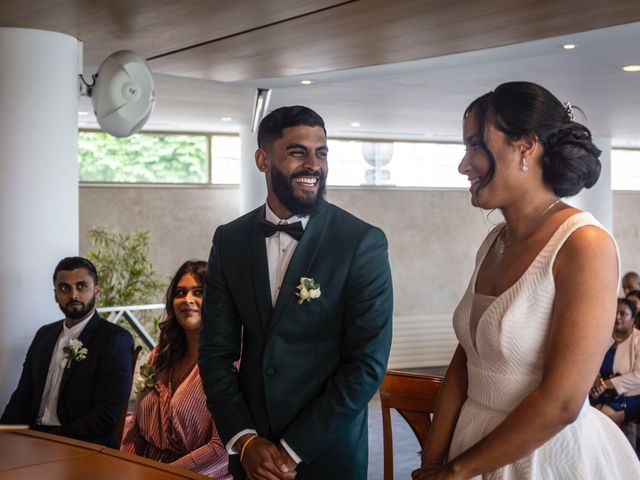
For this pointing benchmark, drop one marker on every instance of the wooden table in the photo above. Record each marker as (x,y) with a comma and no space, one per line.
(31,455)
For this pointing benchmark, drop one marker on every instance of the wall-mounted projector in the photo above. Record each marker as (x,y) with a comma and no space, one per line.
(122,93)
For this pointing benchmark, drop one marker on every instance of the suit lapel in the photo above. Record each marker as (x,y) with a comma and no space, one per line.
(301,262)
(260,271)
(85,337)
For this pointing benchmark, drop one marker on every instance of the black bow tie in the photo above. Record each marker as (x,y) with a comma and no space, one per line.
(294,230)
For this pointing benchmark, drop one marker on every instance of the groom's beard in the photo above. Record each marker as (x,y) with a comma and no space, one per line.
(283,188)
(81,312)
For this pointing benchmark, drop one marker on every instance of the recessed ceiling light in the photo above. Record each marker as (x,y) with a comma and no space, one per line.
(355,124)
(569,46)
(83,114)
(631,68)
(306,82)
(226,119)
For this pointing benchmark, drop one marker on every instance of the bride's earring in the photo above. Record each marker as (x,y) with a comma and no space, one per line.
(524,167)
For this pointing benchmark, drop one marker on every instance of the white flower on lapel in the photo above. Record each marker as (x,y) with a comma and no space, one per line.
(308,290)
(146,380)
(74,352)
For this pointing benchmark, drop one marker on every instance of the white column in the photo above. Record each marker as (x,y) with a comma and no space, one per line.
(599,199)
(253,189)
(38,184)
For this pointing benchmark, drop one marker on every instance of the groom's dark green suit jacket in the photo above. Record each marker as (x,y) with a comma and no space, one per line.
(307,370)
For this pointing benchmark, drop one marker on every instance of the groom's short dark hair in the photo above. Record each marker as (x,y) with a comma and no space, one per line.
(272,125)
(71,263)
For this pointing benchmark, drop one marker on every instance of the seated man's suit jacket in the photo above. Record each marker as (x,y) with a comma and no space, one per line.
(307,370)
(93,392)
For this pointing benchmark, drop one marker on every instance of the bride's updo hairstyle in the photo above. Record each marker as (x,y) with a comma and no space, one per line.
(521,109)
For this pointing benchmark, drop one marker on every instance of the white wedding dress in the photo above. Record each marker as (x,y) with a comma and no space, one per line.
(505,340)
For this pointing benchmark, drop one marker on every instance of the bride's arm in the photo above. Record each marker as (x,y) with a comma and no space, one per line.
(453,393)
(582,322)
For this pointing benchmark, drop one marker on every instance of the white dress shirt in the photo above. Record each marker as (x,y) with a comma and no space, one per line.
(48,413)
(280,249)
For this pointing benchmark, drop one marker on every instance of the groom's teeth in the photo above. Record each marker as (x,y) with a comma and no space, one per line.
(307,180)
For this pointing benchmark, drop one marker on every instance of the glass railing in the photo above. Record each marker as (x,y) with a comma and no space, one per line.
(131,315)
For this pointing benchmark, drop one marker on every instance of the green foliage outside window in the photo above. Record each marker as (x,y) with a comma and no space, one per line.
(143,158)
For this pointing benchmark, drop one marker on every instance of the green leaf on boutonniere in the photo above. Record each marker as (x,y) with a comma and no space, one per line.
(307,290)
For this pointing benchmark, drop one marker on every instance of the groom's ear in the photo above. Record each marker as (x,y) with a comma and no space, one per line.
(262,161)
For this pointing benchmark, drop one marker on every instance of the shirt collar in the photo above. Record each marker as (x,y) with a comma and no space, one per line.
(273,218)
(78,327)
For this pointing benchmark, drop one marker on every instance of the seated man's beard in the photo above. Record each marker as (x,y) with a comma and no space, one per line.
(282,187)
(77,314)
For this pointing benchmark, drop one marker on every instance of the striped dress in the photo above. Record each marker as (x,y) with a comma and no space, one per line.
(176,429)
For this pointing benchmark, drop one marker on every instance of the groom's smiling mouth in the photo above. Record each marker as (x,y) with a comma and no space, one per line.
(306,182)
(309,182)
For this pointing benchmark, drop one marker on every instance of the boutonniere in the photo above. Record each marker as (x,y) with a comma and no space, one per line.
(308,290)
(74,352)
(146,379)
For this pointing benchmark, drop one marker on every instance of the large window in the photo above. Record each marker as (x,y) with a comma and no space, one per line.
(143,158)
(625,169)
(225,159)
(400,164)
(215,158)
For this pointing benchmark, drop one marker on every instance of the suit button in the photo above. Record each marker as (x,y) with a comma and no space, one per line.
(270,371)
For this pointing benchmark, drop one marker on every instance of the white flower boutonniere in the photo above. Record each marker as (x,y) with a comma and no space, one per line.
(74,352)
(308,290)
(146,379)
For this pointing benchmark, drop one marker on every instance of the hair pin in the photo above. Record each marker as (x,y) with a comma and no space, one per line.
(569,109)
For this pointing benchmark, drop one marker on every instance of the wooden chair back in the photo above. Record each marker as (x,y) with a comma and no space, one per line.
(134,359)
(414,397)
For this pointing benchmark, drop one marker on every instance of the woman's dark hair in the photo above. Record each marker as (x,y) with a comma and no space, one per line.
(630,304)
(172,345)
(520,109)
(633,293)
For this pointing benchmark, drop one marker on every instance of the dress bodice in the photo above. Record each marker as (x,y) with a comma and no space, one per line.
(505,341)
(506,349)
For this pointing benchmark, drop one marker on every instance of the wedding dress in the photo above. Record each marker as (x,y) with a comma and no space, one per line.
(505,339)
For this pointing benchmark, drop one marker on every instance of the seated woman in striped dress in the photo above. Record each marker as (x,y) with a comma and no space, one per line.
(171,422)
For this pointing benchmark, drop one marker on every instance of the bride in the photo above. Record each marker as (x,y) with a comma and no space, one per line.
(535,320)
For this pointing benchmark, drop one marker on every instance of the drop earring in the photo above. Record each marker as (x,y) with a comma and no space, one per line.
(524,167)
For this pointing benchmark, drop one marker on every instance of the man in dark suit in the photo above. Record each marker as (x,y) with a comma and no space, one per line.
(301,290)
(76,377)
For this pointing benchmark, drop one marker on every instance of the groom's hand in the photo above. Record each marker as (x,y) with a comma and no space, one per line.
(263,460)
(290,462)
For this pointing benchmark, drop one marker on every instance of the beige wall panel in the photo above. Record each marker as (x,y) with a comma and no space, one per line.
(626,228)
(181,220)
(433,238)
(433,235)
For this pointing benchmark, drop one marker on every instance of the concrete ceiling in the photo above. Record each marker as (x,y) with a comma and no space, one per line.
(428,59)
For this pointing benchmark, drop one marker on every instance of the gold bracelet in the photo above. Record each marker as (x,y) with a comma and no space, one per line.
(245,446)
(602,383)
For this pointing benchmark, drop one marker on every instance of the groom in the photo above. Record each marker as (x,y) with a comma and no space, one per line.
(301,291)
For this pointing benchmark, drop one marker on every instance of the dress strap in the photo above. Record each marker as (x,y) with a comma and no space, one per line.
(570,225)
